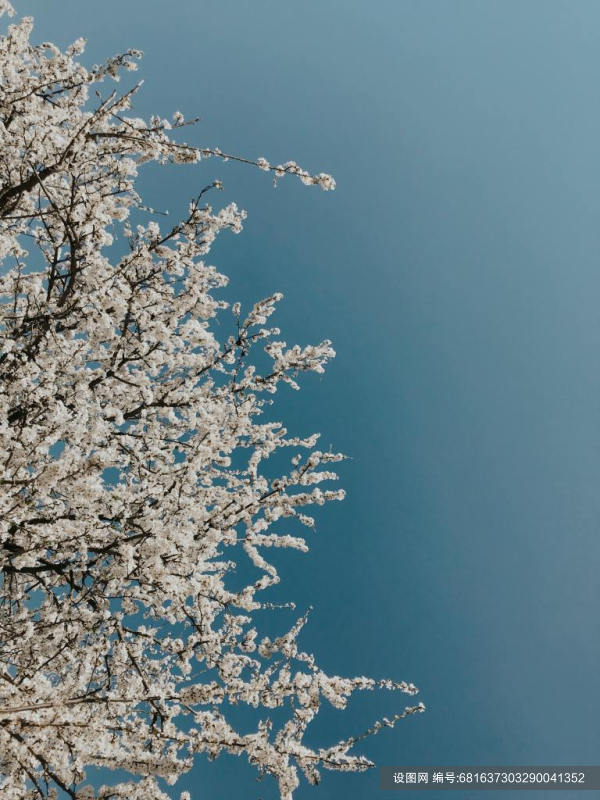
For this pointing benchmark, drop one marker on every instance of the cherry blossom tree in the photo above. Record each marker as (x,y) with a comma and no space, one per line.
(137,462)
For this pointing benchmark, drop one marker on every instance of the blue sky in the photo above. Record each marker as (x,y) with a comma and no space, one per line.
(456,270)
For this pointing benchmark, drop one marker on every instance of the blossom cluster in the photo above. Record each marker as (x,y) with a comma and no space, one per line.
(137,461)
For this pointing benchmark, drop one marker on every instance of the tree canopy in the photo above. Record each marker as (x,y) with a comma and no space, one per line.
(137,461)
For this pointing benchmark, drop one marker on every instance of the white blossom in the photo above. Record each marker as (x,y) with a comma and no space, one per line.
(138,461)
